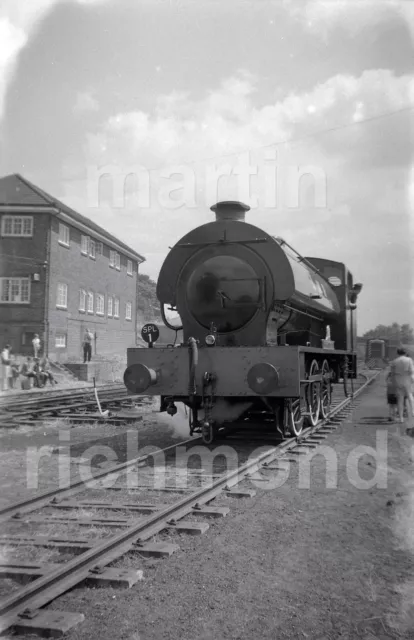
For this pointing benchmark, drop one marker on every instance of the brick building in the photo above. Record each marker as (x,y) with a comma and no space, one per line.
(60,273)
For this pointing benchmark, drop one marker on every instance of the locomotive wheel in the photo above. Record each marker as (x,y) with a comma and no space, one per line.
(295,417)
(326,391)
(313,396)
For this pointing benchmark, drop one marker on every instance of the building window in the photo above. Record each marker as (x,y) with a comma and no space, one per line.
(62,296)
(82,300)
(92,252)
(17,226)
(100,304)
(15,290)
(115,260)
(129,267)
(110,306)
(99,249)
(116,308)
(85,245)
(64,235)
(128,311)
(60,341)
(90,302)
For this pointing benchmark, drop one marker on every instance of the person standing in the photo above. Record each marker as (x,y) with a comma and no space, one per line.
(5,367)
(36,345)
(402,376)
(87,346)
(14,372)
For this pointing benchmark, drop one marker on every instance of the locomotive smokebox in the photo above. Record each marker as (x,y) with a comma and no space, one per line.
(230,210)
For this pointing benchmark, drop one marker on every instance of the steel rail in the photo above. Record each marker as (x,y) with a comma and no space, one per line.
(31,504)
(21,399)
(53,584)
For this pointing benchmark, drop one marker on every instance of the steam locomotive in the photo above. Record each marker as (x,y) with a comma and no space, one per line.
(266,331)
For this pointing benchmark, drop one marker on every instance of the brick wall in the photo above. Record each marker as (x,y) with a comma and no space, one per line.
(70,267)
(23,257)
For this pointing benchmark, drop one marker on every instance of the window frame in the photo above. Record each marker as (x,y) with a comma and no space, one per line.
(82,292)
(65,229)
(130,272)
(117,261)
(117,303)
(90,296)
(21,280)
(85,252)
(100,296)
(110,307)
(128,305)
(12,218)
(92,254)
(65,338)
(62,306)
(112,258)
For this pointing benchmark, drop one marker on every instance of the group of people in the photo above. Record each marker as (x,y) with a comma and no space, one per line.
(33,370)
(400,381)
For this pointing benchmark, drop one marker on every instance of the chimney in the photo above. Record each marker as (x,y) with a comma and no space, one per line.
(230,210)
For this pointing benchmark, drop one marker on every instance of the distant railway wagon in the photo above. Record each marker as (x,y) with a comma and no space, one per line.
(380,351)
(265,330)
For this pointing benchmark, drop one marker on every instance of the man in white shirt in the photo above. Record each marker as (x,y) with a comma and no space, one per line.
(36,345)
(5,367)
(402,374)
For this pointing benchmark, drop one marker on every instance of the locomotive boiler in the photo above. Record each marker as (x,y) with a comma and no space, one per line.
(265,331)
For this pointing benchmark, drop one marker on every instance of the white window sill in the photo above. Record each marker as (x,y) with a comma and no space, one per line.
(90,313)
(98,313)
(92,257)
(58,306)
(130,274)
(84,253)
(128,319)
(118,268)
(14,302)
(16,235)
(64,244)
(82,310)
(112,266)
(116,317)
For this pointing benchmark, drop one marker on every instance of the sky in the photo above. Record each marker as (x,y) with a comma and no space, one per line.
(174,93)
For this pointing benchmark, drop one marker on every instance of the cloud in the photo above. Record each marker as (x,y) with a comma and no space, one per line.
(85,102)
(18,19)
(322,16)
(226,121)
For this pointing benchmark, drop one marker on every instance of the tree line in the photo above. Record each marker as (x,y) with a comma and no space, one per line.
(403,333)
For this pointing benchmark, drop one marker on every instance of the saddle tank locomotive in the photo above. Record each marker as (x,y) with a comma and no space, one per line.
(265,331)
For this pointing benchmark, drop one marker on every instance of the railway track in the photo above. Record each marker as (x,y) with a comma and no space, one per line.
(76,405)
(166,495)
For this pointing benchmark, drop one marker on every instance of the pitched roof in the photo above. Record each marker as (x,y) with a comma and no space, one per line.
(16,190)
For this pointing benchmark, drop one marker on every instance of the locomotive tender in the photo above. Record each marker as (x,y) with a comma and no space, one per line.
(265,331)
